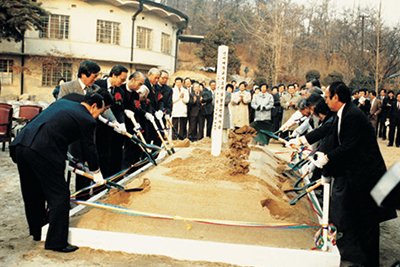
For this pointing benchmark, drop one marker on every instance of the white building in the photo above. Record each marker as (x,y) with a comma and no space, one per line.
(138,34)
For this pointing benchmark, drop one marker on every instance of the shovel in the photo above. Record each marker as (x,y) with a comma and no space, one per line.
(287,188)
(146,182)
(274,136)
(305,192)
(175,131)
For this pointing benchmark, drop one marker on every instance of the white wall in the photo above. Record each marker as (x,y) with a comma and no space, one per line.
(82,41)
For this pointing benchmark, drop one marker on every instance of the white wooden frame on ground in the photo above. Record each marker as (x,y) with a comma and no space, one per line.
(193,250)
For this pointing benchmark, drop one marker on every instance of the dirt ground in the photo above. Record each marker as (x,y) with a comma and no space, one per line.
(18,249)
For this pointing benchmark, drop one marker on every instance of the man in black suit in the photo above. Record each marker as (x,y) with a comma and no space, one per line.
(277,111)
(155,106)
(111,141)
(356,168)
(208,106)
(166,93)
(196,123)
(40,153)
(132,152)
(393,117)
(363,102)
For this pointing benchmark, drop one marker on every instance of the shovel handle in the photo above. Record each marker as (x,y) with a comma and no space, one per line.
(308,190)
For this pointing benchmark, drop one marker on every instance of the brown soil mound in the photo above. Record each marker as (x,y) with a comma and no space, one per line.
(194,184)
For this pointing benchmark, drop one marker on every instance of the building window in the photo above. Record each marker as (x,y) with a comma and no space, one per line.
(6,71)
(166,43)
(53,72)
(144,38)
(108,32)
(55,26)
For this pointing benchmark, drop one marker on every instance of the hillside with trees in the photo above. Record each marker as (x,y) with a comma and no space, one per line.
(280,40)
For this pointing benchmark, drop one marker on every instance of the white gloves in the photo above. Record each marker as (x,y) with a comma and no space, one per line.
(295,134)
(98,177)
(149,117)
(122,127)
(387,123)
(319,159)
(295,142)
(166,116)
(118,127)
(159,114)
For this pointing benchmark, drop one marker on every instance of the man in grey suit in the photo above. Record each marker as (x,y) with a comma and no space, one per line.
(88,73)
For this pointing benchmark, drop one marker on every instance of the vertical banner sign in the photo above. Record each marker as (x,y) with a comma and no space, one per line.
(219,100)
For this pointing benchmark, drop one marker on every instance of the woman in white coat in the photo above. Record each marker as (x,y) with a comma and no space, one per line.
(240,101)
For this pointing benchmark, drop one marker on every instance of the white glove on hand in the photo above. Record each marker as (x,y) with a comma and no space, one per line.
(148,116)
(295,142)
(159,114)
(166,116)
(98,178)
(295,134)
(122,127)
(387,123)
(115,126)
(319,159)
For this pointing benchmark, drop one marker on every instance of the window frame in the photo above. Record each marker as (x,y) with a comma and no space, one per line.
(52,72)
(144,38)
(166,44)
(7,76)
(56,27)
(113,27)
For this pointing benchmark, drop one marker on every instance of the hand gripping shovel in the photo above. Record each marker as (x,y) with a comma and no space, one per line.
(160,136)
(137,141)
(146,182)
(166,134)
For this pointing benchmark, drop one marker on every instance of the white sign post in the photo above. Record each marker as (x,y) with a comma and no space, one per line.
(219,99)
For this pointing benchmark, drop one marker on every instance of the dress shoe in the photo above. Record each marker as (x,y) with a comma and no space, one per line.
(383,139)
(67,249)
(390,144)
(397,145)
(37,236)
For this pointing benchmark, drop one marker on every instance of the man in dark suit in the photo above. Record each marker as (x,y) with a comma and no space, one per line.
(132,152)
(166,93)
(88,73)
(40,153)
(393,117)
(386,105)
(354,160)
(277,111)
(196,123)
(363,102)
(112,142)
(208,106)
(154,106)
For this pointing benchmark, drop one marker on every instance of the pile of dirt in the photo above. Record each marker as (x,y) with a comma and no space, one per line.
(239,149)
(192,183)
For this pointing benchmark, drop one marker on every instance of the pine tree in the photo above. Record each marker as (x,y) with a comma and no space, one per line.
(18,16)
(209,53)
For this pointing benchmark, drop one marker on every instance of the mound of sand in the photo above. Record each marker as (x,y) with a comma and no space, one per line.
(194,184)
